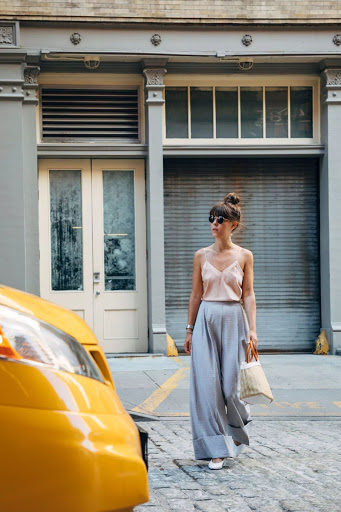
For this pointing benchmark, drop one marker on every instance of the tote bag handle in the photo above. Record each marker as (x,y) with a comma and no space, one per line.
(251,350)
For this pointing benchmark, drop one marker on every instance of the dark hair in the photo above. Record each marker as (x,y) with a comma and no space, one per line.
(228,208)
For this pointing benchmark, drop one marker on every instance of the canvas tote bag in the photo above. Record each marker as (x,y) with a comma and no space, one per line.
(254,387)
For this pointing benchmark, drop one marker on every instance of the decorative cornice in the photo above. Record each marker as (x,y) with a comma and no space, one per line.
(247,40)
(8,34)
(331,78)
(156,39)
(31,74)
(154,76)
(12,55)
(337,39)
(75,38)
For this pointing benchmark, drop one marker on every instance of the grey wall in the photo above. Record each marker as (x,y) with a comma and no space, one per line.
(19,253)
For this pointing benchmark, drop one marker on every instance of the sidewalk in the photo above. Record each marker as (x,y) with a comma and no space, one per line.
(303,385)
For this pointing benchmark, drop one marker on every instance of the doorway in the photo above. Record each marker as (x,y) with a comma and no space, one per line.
(93,246)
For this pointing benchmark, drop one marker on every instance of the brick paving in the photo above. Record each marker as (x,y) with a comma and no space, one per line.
(290,466)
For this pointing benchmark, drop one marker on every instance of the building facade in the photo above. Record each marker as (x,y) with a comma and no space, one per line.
(121,125)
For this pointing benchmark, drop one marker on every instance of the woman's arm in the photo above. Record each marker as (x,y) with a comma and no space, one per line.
(249,298)
(195,297)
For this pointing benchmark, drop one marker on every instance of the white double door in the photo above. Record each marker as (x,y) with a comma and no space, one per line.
(93,246)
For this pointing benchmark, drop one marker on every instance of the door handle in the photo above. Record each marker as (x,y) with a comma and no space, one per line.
(98,293)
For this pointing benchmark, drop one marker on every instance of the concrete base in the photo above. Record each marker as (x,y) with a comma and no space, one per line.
(336,343)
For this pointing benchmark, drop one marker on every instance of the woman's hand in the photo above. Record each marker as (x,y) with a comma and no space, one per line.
(188,343)
(252,336)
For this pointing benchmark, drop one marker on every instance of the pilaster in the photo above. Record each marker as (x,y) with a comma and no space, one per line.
(155,209)
(330,207)
(30,177)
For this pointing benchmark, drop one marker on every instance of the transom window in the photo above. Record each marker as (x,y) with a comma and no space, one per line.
(240,112)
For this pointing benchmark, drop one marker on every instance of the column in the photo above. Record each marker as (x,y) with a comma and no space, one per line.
(30,177)
(12,218)
(155,211)
(330,207)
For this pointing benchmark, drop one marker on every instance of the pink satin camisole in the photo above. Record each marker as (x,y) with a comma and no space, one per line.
(222,286)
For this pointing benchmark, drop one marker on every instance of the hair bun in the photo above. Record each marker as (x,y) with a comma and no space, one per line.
(231,198)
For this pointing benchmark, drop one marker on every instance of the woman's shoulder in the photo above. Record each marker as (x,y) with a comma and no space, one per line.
(201,252)
(246,253)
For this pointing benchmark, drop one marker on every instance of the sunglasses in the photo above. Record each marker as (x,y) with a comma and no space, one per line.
(220,219)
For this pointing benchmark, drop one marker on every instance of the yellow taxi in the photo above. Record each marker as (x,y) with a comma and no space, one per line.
(67,443)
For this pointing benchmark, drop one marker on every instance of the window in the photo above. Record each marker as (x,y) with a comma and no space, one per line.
(66,230)
(251,103)
(226,112)
(301,112)
(250,112)
(276,101)
(177,113)
(201,112)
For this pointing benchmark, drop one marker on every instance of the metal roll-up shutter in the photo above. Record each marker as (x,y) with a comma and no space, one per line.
(280,216)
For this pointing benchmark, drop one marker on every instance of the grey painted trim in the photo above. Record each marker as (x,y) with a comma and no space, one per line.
(14,55)
(336,326)
(191,53)
(263,151)
(214,68)
(218,42)
(9,81)
(259,68)
(159,329)
(14,25)
(12,97)
(64,150)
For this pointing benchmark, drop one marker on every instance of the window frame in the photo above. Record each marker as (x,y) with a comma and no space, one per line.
(216,81)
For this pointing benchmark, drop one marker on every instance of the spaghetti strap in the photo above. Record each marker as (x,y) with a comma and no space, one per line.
(205,254)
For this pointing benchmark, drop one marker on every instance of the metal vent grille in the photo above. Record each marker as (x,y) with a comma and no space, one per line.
(90,114)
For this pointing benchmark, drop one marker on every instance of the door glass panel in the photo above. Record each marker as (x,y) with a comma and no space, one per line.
(227,112)
(201,112)
(66,230)
(251,104)
(176,113)
(301,107)
(119,230)
(276,105)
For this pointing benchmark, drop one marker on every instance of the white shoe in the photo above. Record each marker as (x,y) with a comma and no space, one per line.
(216,465)
(238,449)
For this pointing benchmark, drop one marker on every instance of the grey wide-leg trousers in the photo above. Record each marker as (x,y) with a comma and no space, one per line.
(217,414)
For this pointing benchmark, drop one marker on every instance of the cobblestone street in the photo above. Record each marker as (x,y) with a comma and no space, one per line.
(290,466)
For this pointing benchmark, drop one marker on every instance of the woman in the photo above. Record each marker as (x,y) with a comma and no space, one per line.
(218,333)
